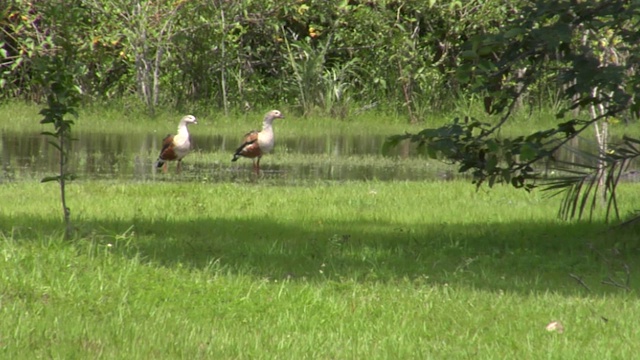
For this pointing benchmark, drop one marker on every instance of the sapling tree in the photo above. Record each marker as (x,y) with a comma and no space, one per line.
(62,100)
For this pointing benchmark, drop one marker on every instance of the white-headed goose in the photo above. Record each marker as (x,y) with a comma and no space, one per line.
(175,147)
(258,143)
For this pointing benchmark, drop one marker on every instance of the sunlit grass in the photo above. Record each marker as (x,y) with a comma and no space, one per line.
(257,269)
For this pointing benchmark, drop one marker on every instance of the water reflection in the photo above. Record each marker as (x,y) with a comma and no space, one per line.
(131,157)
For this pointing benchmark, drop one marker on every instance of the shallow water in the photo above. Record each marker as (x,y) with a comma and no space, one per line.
(132,156)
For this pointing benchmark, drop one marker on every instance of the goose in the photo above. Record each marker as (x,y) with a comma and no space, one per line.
(258,143)
(176,147)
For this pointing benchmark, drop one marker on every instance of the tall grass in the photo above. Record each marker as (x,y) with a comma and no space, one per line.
(321,270)
(111,119)
(16,116)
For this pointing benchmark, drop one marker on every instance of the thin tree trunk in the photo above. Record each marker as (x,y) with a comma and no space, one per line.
(63,197)
(406,90)
(223,75)
(156,75)
(602,135)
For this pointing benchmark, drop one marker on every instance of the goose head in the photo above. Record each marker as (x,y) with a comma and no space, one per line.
(189,119)
(273,114)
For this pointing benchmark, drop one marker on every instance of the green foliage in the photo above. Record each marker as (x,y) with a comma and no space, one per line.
(562,40)
(319,86)
(87,40)
(399,56)
(494,159)
(543,43)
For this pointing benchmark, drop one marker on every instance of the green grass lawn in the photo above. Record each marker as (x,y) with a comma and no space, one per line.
(319,270)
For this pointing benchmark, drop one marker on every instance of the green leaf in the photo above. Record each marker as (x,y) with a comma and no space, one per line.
(492,162)
(393,141)
(50,178)
(469,55)
(568,128)
(55,145)
(517,181)
(432,152)
(486,50)
(492,145)
(492,180)
(528,152)
(506,175)
(513,32)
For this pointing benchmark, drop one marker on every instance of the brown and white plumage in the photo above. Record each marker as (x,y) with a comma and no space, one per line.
(176,147)
(258,143)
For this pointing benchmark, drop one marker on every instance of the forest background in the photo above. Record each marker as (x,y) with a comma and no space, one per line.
(321,57)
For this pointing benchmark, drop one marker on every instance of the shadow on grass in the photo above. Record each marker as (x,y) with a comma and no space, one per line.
(525,257)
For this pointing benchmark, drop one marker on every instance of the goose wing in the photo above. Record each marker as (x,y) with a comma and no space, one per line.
(167,153)
(249,147)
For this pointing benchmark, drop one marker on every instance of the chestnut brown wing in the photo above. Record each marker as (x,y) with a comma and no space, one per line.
(249,147)
(167,152)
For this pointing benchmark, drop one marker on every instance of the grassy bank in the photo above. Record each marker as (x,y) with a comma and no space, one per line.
(17,116)
(25,117)
(322,270)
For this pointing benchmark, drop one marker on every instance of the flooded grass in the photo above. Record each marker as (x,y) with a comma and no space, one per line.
(131,157)
(112,144)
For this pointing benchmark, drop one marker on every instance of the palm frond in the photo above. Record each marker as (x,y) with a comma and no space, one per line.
(584,185)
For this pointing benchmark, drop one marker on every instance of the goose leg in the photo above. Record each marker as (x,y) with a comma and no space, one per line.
(179,166)
(258,166)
